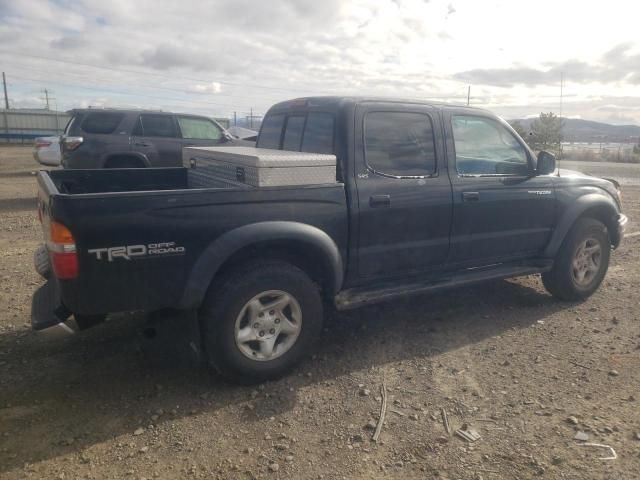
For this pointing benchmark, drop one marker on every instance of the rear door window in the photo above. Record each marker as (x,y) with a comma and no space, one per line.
(158,126)
(271,132)
(312,133)
(101,122)
(400,144)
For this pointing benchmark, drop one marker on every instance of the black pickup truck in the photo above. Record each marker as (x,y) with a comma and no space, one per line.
(427,197)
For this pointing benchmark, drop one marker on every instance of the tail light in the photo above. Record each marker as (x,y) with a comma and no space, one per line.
(40,143)
(62,249)
(71,143)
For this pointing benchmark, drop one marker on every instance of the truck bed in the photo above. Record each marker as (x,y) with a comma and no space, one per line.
(75,182)
(107,209)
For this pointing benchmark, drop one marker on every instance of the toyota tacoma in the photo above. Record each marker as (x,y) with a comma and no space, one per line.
(425,197)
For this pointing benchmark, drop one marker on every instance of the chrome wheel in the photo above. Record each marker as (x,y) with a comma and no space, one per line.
(268,325)
(586,261)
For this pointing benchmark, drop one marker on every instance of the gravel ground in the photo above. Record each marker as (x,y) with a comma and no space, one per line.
(525,371)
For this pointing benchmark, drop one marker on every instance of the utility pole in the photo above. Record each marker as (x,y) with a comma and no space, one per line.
(57,119)
(6,107)
(561,86)
(46,98)
(6,97)
(251,118)
(560,116)
(468,95)
(235,119)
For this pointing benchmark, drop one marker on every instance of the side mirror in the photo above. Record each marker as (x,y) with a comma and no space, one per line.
(546,163)
(227,137)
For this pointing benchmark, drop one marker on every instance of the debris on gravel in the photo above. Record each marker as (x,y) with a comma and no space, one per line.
(581,436)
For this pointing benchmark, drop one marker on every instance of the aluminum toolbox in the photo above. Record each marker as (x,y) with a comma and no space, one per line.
(258,167)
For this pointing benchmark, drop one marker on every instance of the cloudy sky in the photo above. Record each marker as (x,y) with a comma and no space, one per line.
(217,57)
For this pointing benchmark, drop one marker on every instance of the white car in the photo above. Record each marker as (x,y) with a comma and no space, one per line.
(46,150)
(243,133)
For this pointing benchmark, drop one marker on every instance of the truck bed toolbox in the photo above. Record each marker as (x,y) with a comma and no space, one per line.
(258,167)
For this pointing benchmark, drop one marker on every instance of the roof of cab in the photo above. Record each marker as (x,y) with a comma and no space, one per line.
(340,101)
(128,111)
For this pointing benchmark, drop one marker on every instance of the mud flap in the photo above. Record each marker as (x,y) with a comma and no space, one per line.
(47,309)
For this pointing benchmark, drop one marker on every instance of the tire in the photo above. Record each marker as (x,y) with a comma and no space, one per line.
(580,247)
(41,262)
(237,307)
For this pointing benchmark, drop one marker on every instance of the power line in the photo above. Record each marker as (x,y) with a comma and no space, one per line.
(116,92)
(155,87)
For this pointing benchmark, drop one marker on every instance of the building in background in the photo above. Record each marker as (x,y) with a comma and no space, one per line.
(24,125)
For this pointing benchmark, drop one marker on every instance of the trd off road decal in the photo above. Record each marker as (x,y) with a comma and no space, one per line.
(133,252)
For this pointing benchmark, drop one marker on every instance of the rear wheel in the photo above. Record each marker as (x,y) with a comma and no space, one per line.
(259,321)
(581,263)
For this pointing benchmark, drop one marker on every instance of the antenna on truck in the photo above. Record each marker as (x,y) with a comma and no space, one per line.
(560,120)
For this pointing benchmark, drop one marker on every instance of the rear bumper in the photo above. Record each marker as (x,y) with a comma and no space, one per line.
(48,159)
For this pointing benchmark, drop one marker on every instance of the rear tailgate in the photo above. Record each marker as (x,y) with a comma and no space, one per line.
(108,251)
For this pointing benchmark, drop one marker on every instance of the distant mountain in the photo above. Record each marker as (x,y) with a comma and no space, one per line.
(578,130)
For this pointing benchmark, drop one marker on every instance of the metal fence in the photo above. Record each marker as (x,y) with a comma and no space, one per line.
(22,126)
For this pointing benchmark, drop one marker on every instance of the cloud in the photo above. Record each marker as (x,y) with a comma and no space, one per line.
(612,107)
(615,66)
(68,42)
(213,87)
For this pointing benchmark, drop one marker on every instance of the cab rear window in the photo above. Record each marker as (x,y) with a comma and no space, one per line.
(271,132)
(313,132)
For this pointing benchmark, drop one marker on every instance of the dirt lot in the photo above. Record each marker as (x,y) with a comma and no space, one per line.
(527,372)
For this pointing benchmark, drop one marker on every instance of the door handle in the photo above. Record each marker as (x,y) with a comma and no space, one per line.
(380,201)
(470,196)
(142,144)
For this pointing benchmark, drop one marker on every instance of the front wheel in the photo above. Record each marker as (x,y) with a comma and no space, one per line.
(581,262)
(259,321)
